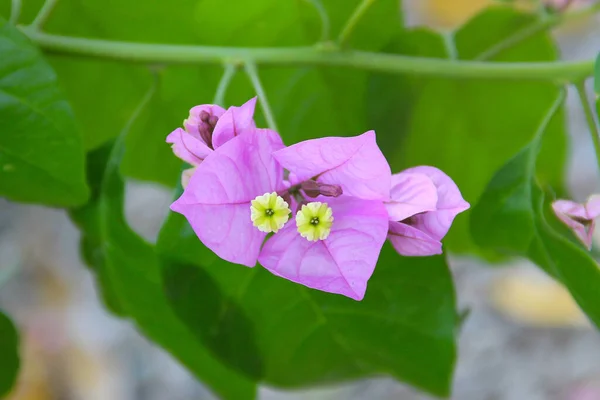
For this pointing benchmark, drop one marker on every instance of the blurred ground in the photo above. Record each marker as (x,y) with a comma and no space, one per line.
(523,339)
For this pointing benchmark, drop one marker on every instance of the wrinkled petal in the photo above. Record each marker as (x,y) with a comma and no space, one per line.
(192,123)
(450,203)
(411,194)
(355,163)
(342,263)
(574,215)
(234,122)
(409,241)
(187,147)
(216,201)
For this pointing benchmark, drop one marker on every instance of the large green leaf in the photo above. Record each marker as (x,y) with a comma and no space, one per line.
(468,128)
(512,216)
(405,326)
(129,273)
(41,150)
(307,102)
(9,348)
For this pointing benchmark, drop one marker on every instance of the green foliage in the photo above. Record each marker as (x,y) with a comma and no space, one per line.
(41,152)
(129,276)
(512,216)
(597,85)
(468,128)
(236,327)
(9,348)
(405,326)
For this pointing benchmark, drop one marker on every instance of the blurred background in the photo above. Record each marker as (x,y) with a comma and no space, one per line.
(524,338)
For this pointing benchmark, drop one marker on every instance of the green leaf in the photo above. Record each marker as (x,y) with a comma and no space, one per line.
(512,216)
(131,274)
(405,327)
(41,150)
(468,128)
(504,218)
(308,102)
(597,76)
(9,348)
(87,220)
(597,85)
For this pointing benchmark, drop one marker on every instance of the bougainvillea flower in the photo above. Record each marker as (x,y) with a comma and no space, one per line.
(424,202)
(217,201)
(355,164)
(336,239)
(579,217)
(343,261)
(209,127)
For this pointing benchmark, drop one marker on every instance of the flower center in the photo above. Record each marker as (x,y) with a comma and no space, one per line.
(206,129)
(269,212)
(314,221)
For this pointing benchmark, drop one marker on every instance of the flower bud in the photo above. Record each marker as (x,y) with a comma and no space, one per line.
(314,189)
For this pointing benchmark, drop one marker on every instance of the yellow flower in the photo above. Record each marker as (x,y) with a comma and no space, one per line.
(269,212)
(314,221)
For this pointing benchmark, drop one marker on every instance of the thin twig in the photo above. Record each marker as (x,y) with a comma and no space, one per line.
(43,14)
(325,24)
(542,24)
(554,71)
(228,74)
(15,11)
(359,12)
(589,117)
(262,96)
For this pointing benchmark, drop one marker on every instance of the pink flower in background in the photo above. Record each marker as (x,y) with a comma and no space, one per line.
(336,241)
(208,127)
(579,217)
(217,200)
(424,202)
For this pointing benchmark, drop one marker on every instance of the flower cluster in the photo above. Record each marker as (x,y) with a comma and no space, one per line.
(317,212)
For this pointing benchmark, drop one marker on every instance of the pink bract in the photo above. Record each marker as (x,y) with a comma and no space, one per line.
(216,201)
(423,206)
(189,144)
(580,218)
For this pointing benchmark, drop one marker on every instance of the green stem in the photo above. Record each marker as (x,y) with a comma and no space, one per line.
(262,96)
(559,71)
(325,25)
(353,20)
(589,116)
(15,11)
(228,74)
(542,24)
(43,14)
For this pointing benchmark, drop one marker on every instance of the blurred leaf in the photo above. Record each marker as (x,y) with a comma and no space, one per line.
(597,85)
(87,220)
(41,151)
(511,216)
(468,128)
(9,349)
(133,274)
(597,76)
(405,326)
(218,321)
(308,102)
(504,218)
